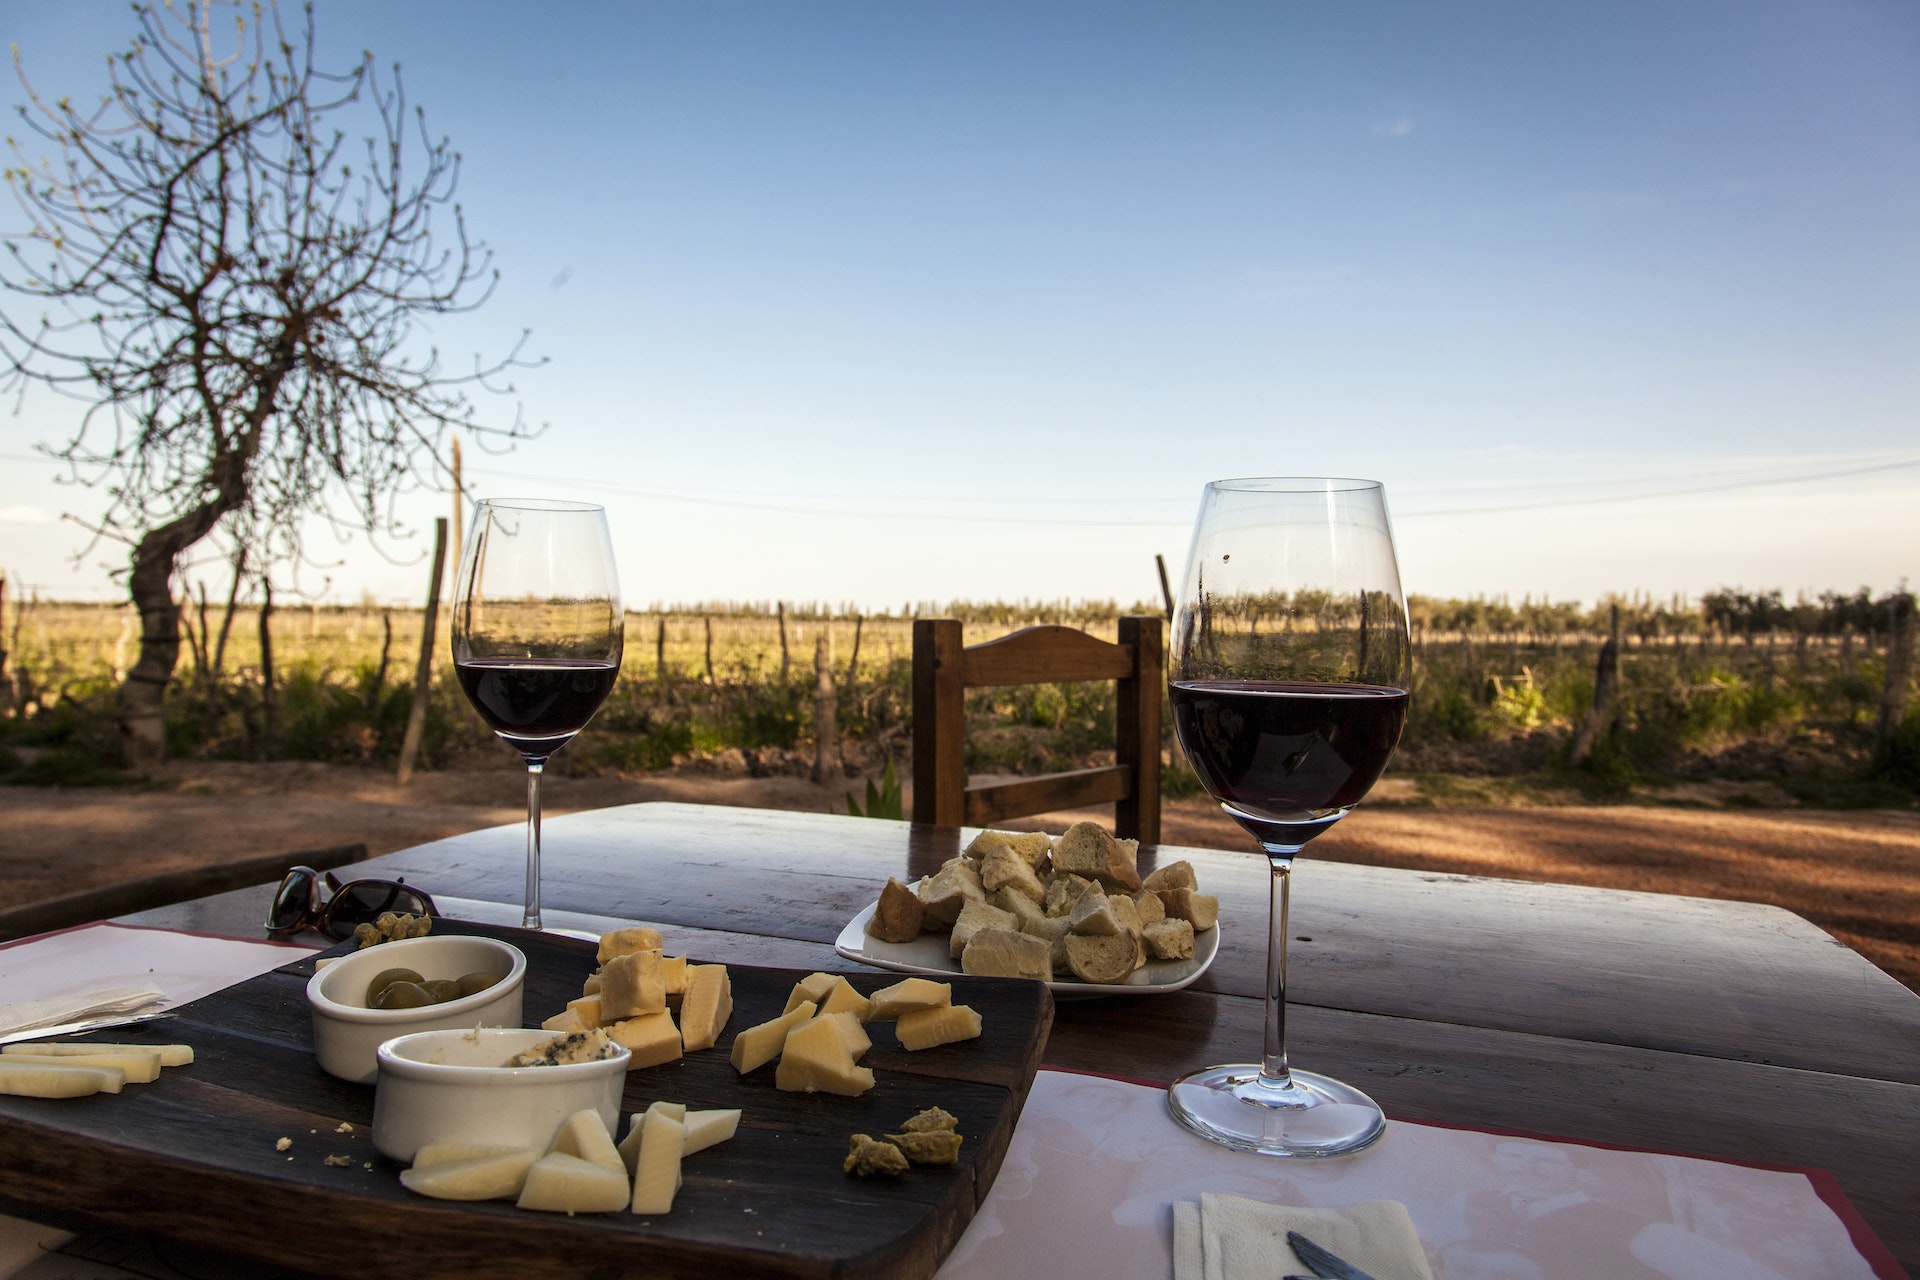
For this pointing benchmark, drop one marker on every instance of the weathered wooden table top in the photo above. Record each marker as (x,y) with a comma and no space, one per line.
(1682,1024)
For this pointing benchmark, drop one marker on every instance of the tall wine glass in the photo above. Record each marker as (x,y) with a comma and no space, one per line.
(1288,678)
(538,630)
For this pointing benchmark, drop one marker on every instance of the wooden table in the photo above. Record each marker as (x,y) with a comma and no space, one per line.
(1683,1024)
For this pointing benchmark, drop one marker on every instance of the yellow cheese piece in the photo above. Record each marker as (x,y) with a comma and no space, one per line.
(843,998)
(565,1020)
(816,1060)
(630,1145)
(757,1046)
(814,987)
(652,1037)
(622,941)
(587,1009)
(171,1055)
(674,970)
(501,1176)
(41,1080)
(656,1175)
(930,1027)
(632,984)
(591,987)
(908,996)
(705,1006)
(704,1129)
(457,1152)
(852,1034)
(559,1183)
(582,1134)
(139,1068)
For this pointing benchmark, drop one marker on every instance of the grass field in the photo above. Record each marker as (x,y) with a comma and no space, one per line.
(1776,705)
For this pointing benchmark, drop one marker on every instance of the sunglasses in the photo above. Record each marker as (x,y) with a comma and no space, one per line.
(298,904)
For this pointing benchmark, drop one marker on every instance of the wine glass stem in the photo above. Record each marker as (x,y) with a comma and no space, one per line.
(532,920)
(1273,1065)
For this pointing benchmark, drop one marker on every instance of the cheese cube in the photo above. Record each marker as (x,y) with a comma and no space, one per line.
(844,999)
(138,1067)
(652,1037)
(171,1055)
(41,1080)
(706,1128)
(587,1009)
(815,1060)
(656,1173)
(757,1046)
(585,1135)
(705,1006)
(591,987)
(501,1176)
(559,1183)
(930,1027)
(566,1020)
(906,996)
(632,984)
(673,969)
(852,1034)
(814,987)
(622,941)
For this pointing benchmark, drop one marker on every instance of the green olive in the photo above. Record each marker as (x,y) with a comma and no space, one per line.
(441,990)
(474,983)
(404,995)
(384,979)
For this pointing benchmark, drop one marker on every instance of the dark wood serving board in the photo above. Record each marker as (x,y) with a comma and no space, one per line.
(192,1156)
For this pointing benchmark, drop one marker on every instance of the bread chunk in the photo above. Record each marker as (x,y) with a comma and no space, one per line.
(622,941)
(1002,953)
(1054,930)
(1093,915)
(1202,909)
(897,916)
(1018,904)
(1148,904)
(974,917)
(1175,875)
(1005,868)
(933,1120)
(1100,959)
(1083,850)
(947,890)
(1030,845)
(922,1147)
(1063,892)
(1170,939)
(866,1157)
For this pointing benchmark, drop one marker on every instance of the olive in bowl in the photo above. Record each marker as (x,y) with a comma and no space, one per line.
(360,1000)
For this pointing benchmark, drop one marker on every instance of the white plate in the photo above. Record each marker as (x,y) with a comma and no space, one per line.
(928,954)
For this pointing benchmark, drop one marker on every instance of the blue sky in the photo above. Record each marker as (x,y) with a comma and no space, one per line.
(882,303)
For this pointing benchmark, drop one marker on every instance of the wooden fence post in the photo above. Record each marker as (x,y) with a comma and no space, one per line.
(423,674)
(711,681)
(6,672)
(1893,697)
(853,663)
(1166,592)
(784,657)
(1606,687)
(266,666)
(826,734)
(660,651)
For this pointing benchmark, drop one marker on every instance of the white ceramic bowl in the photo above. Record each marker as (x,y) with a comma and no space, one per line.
(346,1032)
(449,1086)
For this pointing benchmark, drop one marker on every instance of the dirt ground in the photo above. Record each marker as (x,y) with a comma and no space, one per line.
(1855,874)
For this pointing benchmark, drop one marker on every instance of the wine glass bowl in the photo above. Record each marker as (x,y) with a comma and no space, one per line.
(538,633)
(1288,678)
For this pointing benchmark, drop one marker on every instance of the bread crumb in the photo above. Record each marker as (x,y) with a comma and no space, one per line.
(344,1128)
(283,1144)
(337,1162)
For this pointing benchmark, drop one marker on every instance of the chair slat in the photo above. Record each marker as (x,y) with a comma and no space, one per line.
(1043,655)
(998,801)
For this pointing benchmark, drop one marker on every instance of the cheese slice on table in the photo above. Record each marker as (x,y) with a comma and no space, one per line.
(930,1027)
(706,1128)
(567,1184)
(673,970)
(139,1067)
(44,1080)
(852,1034)
(652,1037)
(582,1134)
(502,1176)
(171,1055)
(656,1175)
(815,1060)
(843,998)
(705,1005)
(814,987)
(457,1152)
(757,1046)
(908,996)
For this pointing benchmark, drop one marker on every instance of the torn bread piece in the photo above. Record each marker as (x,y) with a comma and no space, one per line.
(974,917)
(897,916)
(1002,953)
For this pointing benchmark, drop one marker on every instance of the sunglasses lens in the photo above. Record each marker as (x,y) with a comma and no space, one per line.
(293,901)
(363,901)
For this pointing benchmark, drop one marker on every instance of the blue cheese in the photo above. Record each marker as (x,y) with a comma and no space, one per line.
(563,1050)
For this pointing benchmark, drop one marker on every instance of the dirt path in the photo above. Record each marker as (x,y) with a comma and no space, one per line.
(1855,874)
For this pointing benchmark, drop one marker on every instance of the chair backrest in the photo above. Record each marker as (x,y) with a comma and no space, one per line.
(945,667)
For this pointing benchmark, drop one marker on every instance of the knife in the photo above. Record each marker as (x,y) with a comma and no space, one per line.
(84,1024)
(1329,1265)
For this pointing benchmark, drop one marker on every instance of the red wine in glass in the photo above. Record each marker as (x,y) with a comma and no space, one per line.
(536,707)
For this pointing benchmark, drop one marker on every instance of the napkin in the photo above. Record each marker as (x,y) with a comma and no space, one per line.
(75,1005)
(1228,1238)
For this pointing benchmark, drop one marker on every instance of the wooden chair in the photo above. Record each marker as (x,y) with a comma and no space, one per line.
(945,667)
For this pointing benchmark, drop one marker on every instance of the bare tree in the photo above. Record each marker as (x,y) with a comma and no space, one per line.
(231,284)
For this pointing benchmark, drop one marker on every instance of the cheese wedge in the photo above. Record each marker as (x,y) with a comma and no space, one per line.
(458,1152)
(565,1020)
(656,1175)
(652,1037)
(673,970)
(40,1080)
(496,1177)
(852,1034)
(622,941)
(587,1009)
(815,1060)
(139,1068)
(843,998)
(559,1183)
(705,1006)
(591,987)
(757,1046)
(704,1129)
(814,987)
(930,1027)
(171,1055)
(582,1134)
(633,984)
(907,996)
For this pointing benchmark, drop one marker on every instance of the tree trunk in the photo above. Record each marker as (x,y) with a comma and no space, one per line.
(267,709)
(143,728)
(1606,688)
(826,734)
(1893,698)
(853,663)
(6,672)
(379,685)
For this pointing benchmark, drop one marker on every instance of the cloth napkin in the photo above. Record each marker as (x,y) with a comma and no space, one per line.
(1228,1238)
(51,1011)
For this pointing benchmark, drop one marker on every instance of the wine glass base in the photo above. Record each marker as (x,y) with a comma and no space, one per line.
(1315,1116)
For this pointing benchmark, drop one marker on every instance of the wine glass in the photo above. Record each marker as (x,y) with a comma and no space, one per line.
(1288,678)
(538,631)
